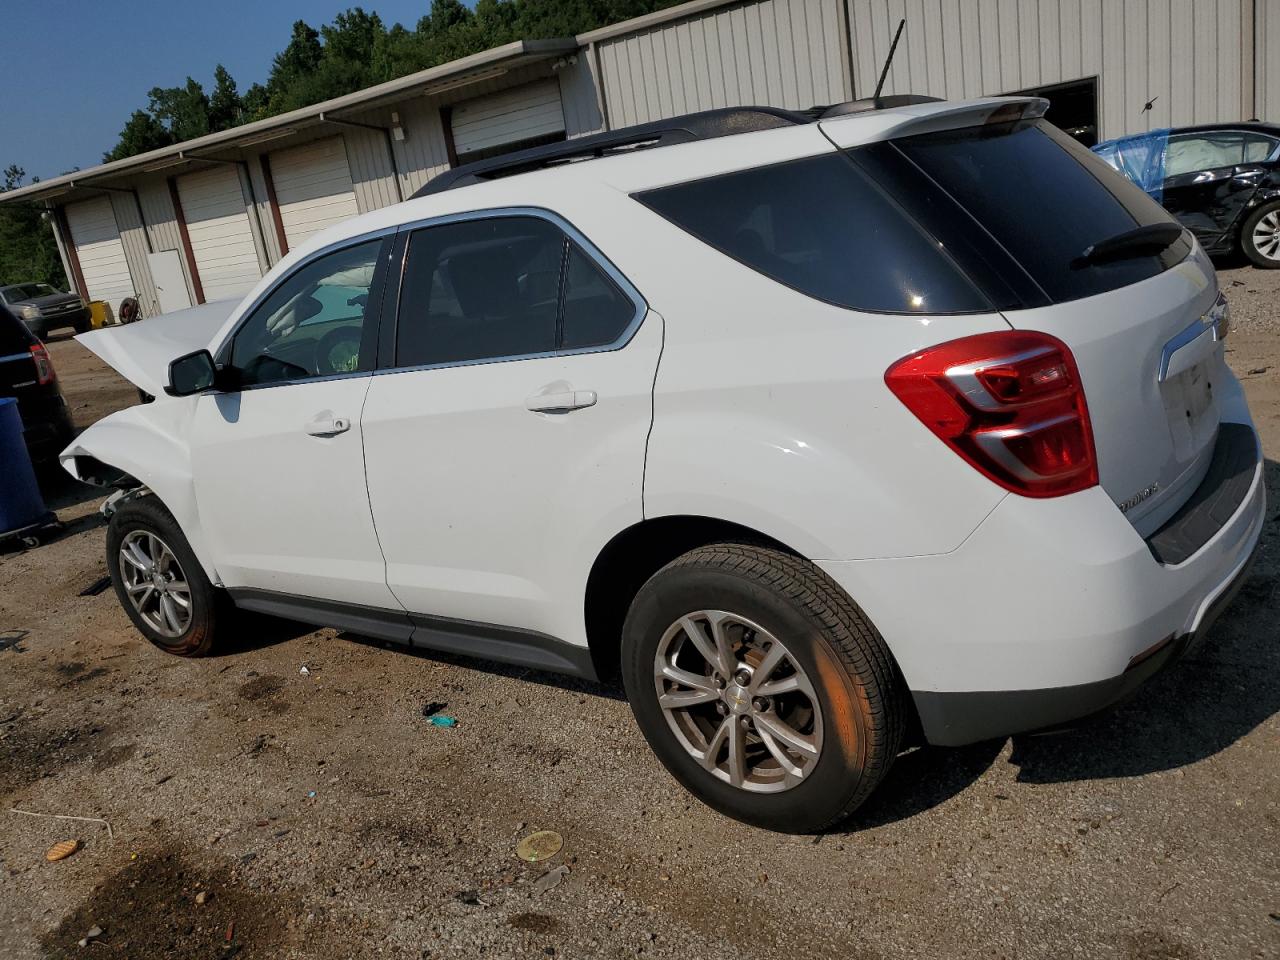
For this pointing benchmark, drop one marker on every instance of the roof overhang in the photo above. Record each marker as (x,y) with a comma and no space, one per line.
(456,74)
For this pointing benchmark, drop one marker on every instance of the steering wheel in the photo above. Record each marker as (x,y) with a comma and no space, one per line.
(338,351)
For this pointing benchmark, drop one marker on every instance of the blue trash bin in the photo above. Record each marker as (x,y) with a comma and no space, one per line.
(21,505)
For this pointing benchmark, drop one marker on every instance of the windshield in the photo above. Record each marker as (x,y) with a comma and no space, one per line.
(27,291)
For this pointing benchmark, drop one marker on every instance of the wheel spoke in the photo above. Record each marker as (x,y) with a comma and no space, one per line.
(712,755)
(737,752)
(686,679)
(724,649)
(181,599)
(784,761)
(139,587)
(132,554)
(693,630)
(788,735)
(169,613)
(680,699)
(776,687)
(155,548)
(772,660)
(146,595)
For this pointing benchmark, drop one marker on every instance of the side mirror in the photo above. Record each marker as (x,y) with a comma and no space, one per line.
(191,374)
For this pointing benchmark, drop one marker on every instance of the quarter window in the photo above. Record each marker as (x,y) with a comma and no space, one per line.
(501,288)
(316,323)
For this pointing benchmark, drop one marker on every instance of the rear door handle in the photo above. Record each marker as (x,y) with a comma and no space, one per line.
(328,426)
(562,402)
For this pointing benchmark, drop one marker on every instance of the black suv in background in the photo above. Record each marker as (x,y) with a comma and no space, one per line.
(26,372)
(42,308)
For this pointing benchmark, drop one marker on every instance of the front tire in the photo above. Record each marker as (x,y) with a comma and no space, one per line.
(1260,236)
(159,581)
(761,687)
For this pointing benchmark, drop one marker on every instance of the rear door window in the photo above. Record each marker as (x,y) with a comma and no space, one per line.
(1045,199)
(502,288)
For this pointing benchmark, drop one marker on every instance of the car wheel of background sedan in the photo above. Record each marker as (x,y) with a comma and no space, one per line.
(1260,236)
(761,687)
(159,582)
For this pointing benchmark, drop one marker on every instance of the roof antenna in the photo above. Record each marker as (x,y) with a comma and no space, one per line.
(875,97)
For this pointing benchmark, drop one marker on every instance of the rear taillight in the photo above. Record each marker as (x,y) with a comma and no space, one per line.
(44,366)
(1010,403)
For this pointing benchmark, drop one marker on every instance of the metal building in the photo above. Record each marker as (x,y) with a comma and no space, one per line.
(203,220)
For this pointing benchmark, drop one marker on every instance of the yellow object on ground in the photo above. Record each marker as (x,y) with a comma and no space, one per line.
(98,313)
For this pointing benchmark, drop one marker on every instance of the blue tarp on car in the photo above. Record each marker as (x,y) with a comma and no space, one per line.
(1140,157)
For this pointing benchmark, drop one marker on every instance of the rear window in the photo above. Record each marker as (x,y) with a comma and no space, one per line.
(823,227)
(1045,199)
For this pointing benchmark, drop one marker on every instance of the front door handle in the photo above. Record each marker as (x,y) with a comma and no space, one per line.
(324,426)
(561,402)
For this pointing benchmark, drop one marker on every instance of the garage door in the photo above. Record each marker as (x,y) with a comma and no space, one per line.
(313,188)
(99,250)
(218,225)
(528,113)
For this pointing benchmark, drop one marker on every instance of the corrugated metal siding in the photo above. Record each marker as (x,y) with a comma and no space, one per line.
(369,159)
(161,223)
(782,53)
(580,98)
(262,209)
(1186,55)
(134,240)
(1267,61)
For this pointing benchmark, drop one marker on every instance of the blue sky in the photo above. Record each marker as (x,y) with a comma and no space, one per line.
(73,70)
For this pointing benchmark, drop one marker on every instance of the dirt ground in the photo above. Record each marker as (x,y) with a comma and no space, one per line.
(257,811)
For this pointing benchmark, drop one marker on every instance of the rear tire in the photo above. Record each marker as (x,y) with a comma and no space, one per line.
(1260,236)
(159,581)
(823,718)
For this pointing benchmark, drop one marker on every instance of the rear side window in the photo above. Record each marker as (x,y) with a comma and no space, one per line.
(823,227)
(503,288)
(1045,199)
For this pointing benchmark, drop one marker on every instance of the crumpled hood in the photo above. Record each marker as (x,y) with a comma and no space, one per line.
(141,352)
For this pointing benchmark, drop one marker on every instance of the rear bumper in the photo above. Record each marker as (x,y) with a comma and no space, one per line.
(955,719)
(1055,609)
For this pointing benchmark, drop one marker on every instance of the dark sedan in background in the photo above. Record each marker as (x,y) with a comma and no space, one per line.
(1221,181)
(42,308)
(26,372)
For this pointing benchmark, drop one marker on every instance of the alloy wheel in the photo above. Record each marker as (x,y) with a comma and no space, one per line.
(738,701)
(1266,235)
(155,584)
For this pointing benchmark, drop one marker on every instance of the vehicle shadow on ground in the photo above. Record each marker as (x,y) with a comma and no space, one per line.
(255,631)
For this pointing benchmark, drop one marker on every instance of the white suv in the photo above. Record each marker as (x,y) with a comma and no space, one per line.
(909,421)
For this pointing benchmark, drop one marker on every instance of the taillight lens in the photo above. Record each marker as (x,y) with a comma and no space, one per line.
(1010,403)
(44,366)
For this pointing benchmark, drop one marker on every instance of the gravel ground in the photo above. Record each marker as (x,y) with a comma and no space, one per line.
(257,811)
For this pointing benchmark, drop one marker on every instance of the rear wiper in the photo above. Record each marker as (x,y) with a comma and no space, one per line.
(1138,242)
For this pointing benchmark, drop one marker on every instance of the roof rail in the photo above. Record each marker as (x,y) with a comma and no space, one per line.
(706,125)
(659,133)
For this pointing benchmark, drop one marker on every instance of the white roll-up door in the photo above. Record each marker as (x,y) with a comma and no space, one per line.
(99,250)
(313,188)
(221,238)
(510,116)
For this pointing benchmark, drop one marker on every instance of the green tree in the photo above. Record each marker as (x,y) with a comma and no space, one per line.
(225,107)
(28,251)
(143,132)
(184,111)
